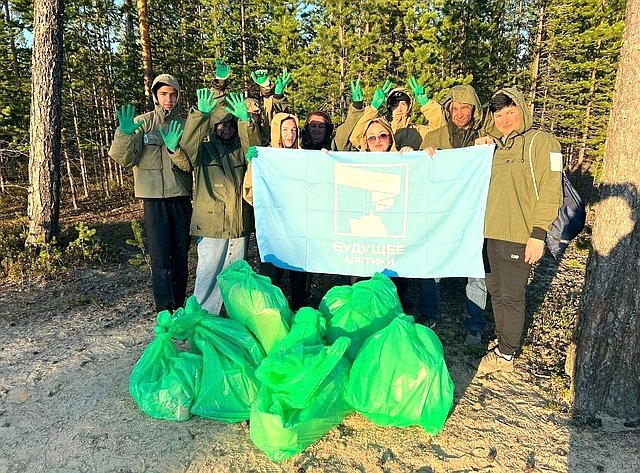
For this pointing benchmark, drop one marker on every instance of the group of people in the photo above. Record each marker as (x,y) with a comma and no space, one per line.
(216,142)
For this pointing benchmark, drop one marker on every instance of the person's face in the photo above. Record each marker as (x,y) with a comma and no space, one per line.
(401,109)
(507,119)
(255,116)
(167,97)
(288,133)
(461,114)
(317,128)
(225,130)
(378,137)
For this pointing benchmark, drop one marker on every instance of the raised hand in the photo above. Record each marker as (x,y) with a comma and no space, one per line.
(281,82)
(172,137)
(260,77)
(356,91)
(237,107)
(252,152)
(418,91)
(222,69)
(206,103)
(125,116)
(380,95)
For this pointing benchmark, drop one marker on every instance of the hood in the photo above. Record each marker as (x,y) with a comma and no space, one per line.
(362,146)
(276,121)
(306,137)
(463,94)
(167,79)
(253,106)
(398,94)
(527,119)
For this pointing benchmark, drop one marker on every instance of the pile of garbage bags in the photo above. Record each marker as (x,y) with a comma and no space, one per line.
(294,377)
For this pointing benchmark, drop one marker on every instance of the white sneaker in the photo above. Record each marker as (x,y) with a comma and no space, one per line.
(495,361)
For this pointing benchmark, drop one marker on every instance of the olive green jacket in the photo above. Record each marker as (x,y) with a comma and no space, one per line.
(219,168)
(157,172)
(440,138)
(343,132)
(514,213)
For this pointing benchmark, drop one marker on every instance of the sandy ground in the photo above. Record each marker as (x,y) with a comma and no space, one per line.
(66,352)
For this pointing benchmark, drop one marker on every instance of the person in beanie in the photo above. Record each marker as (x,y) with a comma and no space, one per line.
(149,144)
(462,113)
(525,194)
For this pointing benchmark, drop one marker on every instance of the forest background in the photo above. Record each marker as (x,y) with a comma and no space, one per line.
(562,53)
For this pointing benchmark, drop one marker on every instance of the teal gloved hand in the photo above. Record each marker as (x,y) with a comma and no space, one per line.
(252,152)
(172,137)
(281,82)
(237,107)
(260,77)
(125,116)
(419,92)
(222,69)
(356,91)
(206,103)
(380,95)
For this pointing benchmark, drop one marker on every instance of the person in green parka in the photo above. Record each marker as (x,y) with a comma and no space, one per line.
(525,194)
(216,138)
(149,143)
(462,112)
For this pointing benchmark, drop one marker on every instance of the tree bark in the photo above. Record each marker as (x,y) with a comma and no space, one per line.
(43,208)
(607,369)
(145,45)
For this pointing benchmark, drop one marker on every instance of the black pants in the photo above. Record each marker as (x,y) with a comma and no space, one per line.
(297,279)
(166,222)
(507,283)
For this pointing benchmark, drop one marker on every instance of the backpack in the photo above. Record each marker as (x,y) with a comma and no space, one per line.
(571,216)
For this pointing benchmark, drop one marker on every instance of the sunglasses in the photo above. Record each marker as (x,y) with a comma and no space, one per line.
(380,137)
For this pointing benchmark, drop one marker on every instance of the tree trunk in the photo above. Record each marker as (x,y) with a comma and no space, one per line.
(145,46)
(72,183)
(43,207)
(537,51)
(607,366)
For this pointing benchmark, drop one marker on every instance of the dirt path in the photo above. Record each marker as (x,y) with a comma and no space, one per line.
(67,348)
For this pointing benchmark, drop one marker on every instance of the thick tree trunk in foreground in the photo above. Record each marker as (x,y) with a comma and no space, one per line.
(44,131)
(607,369)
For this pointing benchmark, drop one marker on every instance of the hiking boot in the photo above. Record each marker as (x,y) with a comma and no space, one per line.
(473,339)
(495,361)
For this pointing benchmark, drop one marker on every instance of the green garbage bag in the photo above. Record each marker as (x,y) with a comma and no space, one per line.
(298,365)
(230,356)
(253,301)
(282,431)
(360,310)
(411,386)
(164,381)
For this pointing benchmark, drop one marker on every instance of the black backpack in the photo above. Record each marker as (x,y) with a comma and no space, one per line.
(571,216)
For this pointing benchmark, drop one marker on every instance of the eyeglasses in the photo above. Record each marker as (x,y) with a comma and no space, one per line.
(380,137)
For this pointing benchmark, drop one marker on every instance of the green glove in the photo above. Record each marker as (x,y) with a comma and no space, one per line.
(356,91)
(252,152)
(206,103)
(418,91)
(222,69)
(281,82)
(172,137)
(260,77)
(380,95)
(238,107)
(125,119)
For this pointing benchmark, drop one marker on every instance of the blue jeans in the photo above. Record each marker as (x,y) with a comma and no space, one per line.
(476,300)
(214,255)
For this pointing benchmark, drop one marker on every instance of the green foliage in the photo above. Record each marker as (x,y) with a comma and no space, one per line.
(20,262)
(141,259)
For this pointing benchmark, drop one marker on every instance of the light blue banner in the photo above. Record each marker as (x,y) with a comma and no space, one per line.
(407,215)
